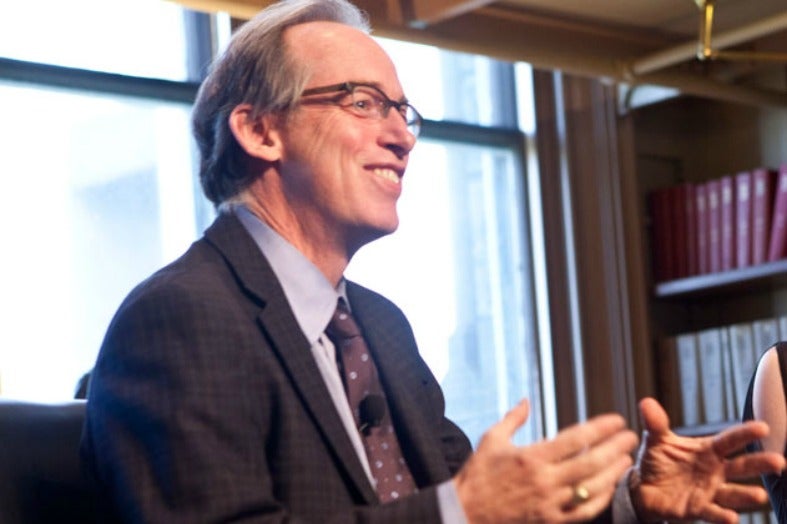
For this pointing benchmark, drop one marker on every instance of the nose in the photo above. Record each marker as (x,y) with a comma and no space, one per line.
(397,136)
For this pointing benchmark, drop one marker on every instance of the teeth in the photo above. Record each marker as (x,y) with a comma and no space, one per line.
(388,174)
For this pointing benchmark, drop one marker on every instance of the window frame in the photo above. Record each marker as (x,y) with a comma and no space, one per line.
(201,45)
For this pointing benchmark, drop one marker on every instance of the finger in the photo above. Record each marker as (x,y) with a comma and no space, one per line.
(717,514)
(740,496)
(753,464)
(600,490)
(736,437)
(598,458)
(587,510)
(580,437)
(514,419)
(599,484)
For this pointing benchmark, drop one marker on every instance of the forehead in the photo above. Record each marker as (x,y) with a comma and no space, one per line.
(336,53)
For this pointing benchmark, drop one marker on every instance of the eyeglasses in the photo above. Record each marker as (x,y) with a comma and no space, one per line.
(368,101)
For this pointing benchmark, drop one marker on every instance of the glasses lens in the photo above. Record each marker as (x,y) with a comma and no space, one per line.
(370,102)
(367,102)
(413,119)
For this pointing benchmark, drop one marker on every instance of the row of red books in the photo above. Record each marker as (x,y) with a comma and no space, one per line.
(725,223)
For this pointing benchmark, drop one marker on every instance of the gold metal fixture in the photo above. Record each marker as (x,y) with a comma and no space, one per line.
(705,50)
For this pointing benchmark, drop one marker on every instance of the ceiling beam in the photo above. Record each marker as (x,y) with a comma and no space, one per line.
(544,42)
(242,9)
(539,40)
(575,49)
(428,12)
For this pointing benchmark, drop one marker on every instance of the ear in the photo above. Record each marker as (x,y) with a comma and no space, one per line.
(259,137)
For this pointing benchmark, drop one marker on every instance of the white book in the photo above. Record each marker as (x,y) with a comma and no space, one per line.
(688,372)
(730,406)
(766,334)
(760,517)
(711,364)
(743,358)
(781,321)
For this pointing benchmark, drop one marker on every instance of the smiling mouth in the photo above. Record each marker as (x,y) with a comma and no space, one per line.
(388,174)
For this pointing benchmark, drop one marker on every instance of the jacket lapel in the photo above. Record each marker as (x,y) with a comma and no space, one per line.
(281,329)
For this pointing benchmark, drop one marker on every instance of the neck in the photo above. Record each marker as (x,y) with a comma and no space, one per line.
(319,244)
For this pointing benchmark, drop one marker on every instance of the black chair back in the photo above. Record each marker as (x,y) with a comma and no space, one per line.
(41,480)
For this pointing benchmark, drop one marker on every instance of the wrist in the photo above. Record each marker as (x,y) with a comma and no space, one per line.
(638,500)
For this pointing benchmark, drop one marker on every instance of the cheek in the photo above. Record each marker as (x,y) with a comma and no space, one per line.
(328,146)
(331,129)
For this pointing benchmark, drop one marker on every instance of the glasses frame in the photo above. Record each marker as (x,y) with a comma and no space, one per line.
(414,125)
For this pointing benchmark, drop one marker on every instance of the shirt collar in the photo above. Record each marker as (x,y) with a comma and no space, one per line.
(310,294)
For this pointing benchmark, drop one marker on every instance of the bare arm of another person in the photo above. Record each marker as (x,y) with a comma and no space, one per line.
(768,401)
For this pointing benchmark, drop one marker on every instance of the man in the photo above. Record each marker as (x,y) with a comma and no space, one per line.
(224,392)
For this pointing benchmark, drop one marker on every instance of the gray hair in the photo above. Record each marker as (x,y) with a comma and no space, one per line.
(255,69)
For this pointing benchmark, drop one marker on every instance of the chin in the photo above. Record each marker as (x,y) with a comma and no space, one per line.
(389,227)
(372,233)
(381,224)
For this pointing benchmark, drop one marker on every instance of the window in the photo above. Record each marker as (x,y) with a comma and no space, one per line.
(459,264)
(130,37)
(104,191)
(99,189)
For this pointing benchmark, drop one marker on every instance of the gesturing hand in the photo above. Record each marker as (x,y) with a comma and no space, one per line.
(685,478)
(504,483)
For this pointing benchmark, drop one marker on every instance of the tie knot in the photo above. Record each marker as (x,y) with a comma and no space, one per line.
(342,325)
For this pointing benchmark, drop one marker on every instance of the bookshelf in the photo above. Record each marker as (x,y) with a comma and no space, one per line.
(702,430)
(693,141)
(761,277)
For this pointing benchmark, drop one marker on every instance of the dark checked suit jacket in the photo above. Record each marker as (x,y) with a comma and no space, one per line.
(206,404)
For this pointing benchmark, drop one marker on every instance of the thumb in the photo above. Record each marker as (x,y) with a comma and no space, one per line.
(654,419)
(514,419)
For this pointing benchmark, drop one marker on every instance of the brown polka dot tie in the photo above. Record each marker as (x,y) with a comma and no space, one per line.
(360,378)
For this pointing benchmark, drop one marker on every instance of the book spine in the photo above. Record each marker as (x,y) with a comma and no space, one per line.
(680,262)
(743,219)
(778,242)
(730,406)
(692,255)
(688,374)
(713,188)
(701,211)
(743,358)
(668,380)
(765,333)
(727,222)
(711,365)
(762,210)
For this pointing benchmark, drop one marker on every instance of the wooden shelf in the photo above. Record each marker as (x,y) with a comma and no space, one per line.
(703,429)
(752,278)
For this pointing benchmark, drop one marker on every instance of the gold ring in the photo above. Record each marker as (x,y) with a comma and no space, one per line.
(581,494)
